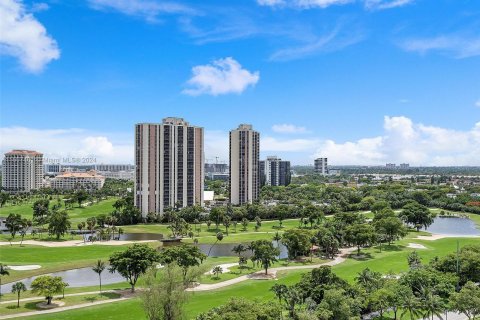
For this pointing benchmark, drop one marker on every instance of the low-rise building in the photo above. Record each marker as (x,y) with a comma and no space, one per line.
(89,180)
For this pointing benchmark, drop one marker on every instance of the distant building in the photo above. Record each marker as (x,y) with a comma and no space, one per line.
(244,164)
(114,167)
(404,165)
(321,166)
(169,165)
(22,171)
(216,168)
(275,172)
(116,171)
(52,169)
(218,176)
(390,166)
(89,180)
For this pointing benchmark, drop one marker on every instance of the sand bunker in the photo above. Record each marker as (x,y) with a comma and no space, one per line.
(25,268)
(416,246)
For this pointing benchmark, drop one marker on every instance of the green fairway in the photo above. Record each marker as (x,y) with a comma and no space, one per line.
(52,259)
(391,258)
(76,213)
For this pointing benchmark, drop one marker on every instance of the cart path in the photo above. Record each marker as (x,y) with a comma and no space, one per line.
(207,287)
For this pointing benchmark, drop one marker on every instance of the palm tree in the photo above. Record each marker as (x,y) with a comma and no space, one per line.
(3,272)
(98,268)
(217,270)
(219,238)
(18,288)
(277,237)
(432,303)
(80,226)
(410,304)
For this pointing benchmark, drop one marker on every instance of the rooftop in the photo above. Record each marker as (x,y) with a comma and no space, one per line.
(88,174)
(24,152)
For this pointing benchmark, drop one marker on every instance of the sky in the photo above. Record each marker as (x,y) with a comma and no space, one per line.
(362,82)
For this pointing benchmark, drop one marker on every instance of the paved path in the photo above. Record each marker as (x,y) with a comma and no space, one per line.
(60,309)
(206,287)
(74,243)
(59,296)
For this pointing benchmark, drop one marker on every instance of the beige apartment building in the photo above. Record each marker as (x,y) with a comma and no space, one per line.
(71,180)
(244,164)
(22,171)
(169,165)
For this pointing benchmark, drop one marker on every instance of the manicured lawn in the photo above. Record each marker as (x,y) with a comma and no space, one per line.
(76,214)
(52,259)
(27,306)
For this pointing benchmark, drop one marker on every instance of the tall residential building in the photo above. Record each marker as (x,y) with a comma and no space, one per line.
(404,165)
(275,172)
(244,164)
(22,171)
(321,166)
(169,164)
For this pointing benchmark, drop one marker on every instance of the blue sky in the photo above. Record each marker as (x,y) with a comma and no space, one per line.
(360,81)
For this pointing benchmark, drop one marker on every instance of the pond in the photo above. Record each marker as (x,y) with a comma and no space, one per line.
(453,226)
(81,277)
(225,250)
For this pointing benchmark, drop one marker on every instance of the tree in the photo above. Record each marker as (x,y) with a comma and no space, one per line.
(164,295)
(184,256)
(467,300)
(3,272)
(41,211)
(469,264)
(13,223)
(133,262)
(392,228)
(47,286)
(360,235)
(91,222)
(80,227)
(380,300)
(431,303)
(279,290)
(219,237)
(245,224)
(277,237)
(18,288)
(265,253)
(80,197)
(417,215)
(239,308)
(297,242)
(226,222)
(3,198)
(411,304)
(98,269)
(369,280)
(217,214)
(239,249)
(217,270)
(414,260)
(59,223)
(281,212)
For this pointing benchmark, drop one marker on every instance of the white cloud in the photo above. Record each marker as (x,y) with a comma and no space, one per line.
(406,141)
(68,143)
(222,76)
(385,4)
(458,46)
(146,9)
(331,42)
(39,7)
(23,37)
(288,128)
(305,4)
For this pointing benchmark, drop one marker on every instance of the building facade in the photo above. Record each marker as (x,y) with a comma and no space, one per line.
(169,165)
(71,180)
(244,164)
(275,172)
(22,171)
(114,167)
(321,166)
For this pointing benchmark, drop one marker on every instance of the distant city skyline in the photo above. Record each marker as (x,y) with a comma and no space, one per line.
(364,82)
